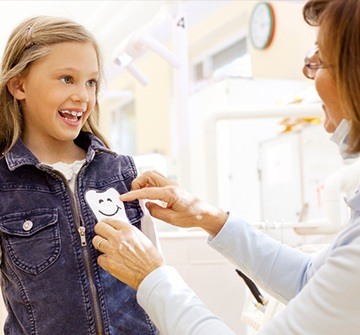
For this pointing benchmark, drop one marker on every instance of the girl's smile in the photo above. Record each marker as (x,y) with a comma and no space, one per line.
(72,116)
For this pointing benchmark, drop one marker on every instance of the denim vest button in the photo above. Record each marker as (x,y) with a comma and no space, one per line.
(27,225)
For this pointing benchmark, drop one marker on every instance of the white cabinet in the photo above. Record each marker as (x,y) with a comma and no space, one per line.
(293,168)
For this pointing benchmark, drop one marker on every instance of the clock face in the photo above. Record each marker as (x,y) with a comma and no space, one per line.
(262,25)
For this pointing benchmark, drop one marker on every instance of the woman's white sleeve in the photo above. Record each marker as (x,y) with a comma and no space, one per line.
(328,302)
(175,308)
(270,264)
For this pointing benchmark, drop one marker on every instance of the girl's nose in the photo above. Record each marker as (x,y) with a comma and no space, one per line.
(81,95)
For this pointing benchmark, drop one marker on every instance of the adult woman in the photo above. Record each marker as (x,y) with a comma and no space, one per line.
(320,290)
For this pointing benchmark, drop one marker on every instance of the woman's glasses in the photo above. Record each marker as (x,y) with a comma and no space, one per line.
(312,63)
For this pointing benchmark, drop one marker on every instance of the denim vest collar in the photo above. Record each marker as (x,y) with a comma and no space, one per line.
(20,155)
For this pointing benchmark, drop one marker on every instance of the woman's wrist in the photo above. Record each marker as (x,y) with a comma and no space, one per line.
(213,221)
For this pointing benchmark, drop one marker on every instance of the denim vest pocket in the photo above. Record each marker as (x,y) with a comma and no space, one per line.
(31,239)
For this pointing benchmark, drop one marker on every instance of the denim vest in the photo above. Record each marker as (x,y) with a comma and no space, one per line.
(50,280)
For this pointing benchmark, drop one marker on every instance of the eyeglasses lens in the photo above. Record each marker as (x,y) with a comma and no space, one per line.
(312,63)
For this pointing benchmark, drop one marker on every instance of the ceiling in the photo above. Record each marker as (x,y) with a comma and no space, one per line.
(110,21)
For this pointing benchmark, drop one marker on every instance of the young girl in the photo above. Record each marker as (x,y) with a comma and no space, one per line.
(57,179)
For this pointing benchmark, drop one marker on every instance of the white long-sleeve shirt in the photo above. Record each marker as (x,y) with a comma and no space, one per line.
(321,292)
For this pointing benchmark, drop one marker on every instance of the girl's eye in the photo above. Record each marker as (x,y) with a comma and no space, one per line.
(92,83)
(66,80)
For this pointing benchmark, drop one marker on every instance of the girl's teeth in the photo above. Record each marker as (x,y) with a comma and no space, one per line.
(72,113)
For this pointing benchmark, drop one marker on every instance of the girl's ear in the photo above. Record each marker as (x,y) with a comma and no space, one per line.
(15,87)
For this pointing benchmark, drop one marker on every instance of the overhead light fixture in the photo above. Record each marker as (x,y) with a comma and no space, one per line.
(144,39)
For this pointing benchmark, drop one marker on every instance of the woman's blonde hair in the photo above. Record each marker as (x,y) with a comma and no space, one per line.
(339,41)
(30,41)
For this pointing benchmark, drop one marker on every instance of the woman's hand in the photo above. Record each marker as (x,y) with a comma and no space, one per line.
(182,209)
(127,253)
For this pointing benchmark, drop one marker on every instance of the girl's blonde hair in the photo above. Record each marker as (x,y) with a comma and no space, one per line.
(339,41)
(30,41)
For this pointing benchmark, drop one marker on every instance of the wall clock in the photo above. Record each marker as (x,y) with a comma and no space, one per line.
(262,25)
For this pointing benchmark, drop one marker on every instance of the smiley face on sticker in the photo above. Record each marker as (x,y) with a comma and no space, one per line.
(106,204)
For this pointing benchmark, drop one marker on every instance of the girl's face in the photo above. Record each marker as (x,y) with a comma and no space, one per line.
(59,93)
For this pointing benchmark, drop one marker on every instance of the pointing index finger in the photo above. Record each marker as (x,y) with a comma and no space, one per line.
(150,179)
(149,193)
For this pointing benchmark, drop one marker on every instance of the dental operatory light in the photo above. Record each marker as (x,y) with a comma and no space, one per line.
(147,38)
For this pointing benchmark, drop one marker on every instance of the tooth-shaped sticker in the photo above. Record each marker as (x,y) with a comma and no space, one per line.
(106,204)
